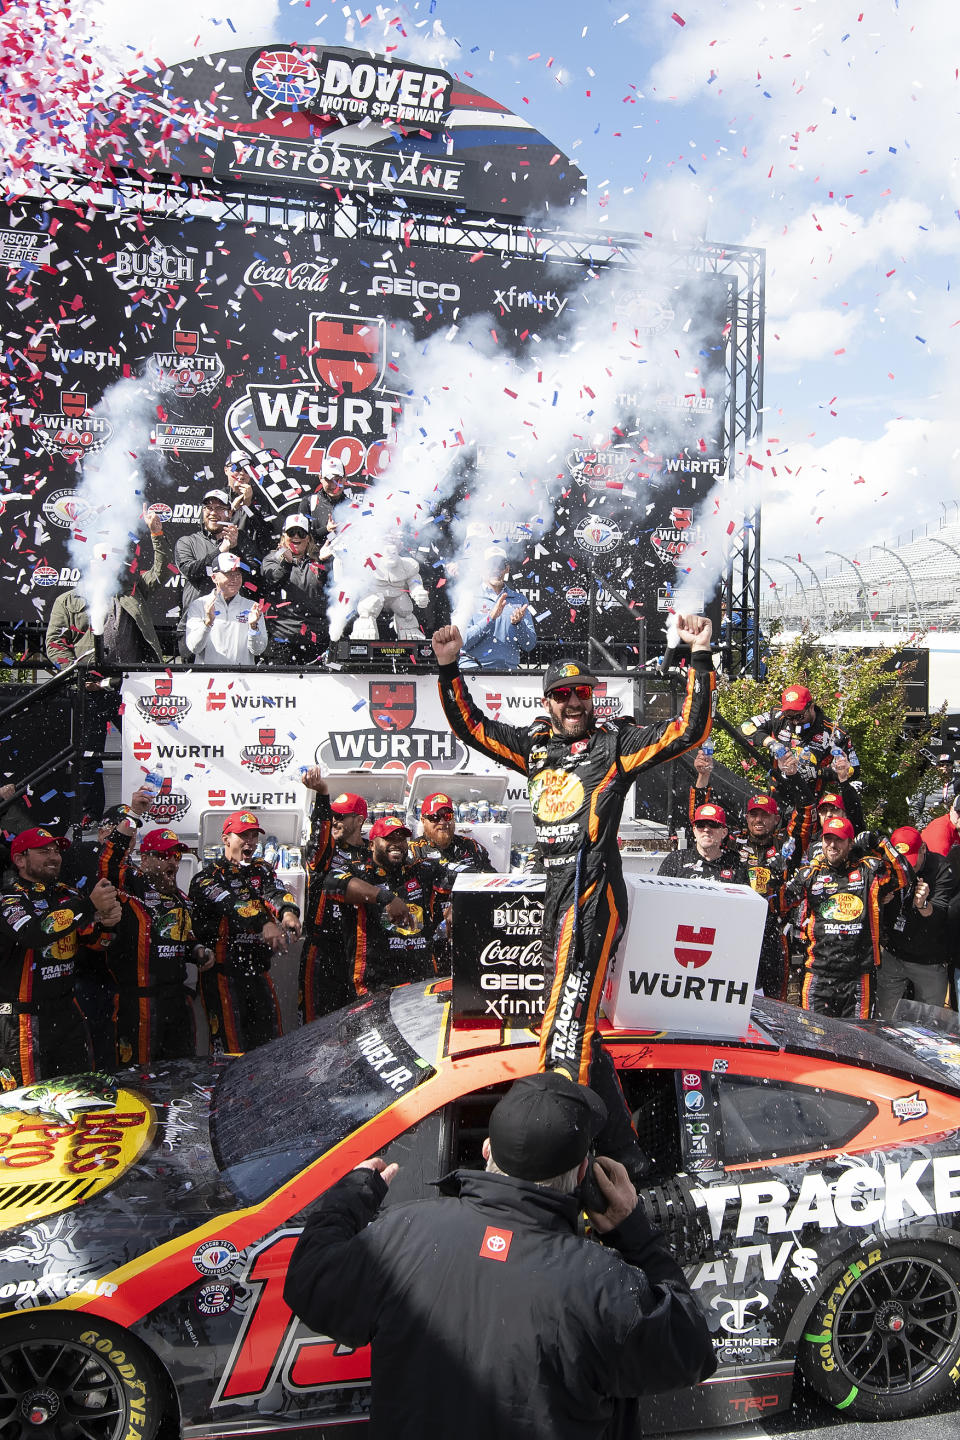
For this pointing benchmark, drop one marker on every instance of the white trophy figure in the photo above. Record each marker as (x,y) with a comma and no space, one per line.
(395,586)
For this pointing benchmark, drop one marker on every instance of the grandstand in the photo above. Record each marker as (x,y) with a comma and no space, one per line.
(912,584)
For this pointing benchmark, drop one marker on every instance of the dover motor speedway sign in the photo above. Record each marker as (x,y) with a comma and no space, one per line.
(688,958)
(241,740)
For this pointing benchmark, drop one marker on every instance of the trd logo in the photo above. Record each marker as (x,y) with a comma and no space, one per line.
(688,936)
(750,1404)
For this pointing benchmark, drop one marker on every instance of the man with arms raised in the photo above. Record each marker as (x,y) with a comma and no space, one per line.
(578,773)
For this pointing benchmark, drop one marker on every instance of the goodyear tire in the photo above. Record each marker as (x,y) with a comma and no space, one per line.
(68,1376)
(884,1341)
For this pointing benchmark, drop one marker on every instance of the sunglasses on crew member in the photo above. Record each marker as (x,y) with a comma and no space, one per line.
(295,534)
(563,692)
(445,814)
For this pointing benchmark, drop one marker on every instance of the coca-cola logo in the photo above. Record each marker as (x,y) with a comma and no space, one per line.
(495,952)
(308,275)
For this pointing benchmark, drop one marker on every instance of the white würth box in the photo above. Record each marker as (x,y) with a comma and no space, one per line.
(688,961)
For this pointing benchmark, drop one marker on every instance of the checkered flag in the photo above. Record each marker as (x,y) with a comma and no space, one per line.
(279,489)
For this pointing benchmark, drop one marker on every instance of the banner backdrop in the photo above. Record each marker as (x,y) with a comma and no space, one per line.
(260,339)
(239,740)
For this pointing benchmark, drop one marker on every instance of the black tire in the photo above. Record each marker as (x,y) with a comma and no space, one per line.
(71,1377)
(884,1341)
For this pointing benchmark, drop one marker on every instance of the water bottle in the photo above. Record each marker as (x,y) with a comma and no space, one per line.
(707,748)
(271,850)
(852,757)
(779,751)
(788,847)
(153,781)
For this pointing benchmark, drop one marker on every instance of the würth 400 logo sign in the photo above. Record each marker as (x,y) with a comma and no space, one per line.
(345,410)
(266,757)
(186,370)
(392,742)
(73,433)
(163,707)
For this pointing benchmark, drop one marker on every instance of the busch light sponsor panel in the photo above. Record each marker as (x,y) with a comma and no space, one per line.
(241,740)
(499,975)
(688,958)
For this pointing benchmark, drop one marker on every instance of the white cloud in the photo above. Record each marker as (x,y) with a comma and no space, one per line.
(176,29)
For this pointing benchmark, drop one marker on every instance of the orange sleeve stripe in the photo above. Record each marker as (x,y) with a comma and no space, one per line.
(608,779)
(479,731)
(673,731)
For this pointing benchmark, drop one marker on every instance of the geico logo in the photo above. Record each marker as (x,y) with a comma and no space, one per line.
(490,980)
(417,289)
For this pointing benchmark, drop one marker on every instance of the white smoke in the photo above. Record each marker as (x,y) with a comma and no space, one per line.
(628,334)
(110,497)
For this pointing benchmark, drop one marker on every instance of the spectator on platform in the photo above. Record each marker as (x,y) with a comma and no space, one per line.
(244,511)
(500,626)
(226,627)
(295,582)
(221,531)
(328,495)
(129,638)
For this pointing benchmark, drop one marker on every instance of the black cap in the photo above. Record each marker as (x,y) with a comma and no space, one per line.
(543,1126)
(566,672)
(113,812)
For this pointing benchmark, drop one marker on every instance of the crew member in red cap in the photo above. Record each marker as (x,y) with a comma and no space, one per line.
(155,940)
(323,983)
(801,726)
(762,851)
(395,907)
(710,858)
(838,897)
(916,928)
(42,925)
(244,914)
(453,854)
(578,774)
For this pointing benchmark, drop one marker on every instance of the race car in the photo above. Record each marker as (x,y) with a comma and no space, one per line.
(807,1177)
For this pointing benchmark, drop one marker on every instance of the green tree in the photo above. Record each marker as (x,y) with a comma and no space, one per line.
(862,691)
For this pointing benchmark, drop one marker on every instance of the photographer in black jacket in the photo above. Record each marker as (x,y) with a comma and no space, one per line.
(488,1314)
(915,927)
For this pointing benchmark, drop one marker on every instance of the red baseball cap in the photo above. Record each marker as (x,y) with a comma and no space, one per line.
(348,804)
(795,697)
(838,825)
(240,822)
(713,814)
(830,797)
(907,841)
(433,803)
(388,825)
(37,840)
(158,842)
(763,802)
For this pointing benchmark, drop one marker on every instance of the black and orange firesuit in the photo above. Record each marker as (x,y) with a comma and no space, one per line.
(324,983)
(148,961)
(577,789)
(232,904)
(838,927)
(42,1029)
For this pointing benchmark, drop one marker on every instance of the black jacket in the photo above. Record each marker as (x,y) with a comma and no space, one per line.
(533,1337)
(297,590)
(922,939)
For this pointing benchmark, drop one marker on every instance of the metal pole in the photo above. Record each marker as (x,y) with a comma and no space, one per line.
(906,568)
(796,576)
(773,586)
(827,619)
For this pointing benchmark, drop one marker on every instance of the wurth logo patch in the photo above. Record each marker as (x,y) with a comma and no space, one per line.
(216,700)
(694,947)
(495,1244)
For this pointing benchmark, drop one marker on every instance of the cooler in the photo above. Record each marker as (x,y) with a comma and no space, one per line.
(377,787)
(688,959)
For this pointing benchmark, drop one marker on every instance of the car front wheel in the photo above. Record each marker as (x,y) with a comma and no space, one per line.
(70,1377)
(884,1342)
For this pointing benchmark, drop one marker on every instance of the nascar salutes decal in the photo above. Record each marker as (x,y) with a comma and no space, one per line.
(64,1141)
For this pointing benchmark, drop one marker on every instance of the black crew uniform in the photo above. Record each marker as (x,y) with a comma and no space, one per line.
(768,870)
(93,982)
(42,1029)
(232,904)
(463,856)
(577,789)
(380,953)
(544,1334)
(838,927)
(726,869)
(323,983)
(813,743)
(155,1019)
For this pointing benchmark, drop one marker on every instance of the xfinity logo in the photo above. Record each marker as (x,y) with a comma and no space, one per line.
(514,299)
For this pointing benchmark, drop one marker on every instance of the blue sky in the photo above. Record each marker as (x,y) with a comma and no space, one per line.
(822,130)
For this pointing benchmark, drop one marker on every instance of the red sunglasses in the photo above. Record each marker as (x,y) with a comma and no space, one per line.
(563,692)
